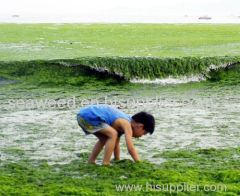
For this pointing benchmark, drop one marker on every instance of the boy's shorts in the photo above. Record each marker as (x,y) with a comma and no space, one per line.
(88,128)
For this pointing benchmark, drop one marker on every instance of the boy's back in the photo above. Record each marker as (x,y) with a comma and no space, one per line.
(96,114)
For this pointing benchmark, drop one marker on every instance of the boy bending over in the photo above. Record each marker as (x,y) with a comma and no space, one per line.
(108,124)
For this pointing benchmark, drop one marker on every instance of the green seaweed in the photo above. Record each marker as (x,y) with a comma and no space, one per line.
(226,75)
(113,70)
(79,178)
(106,73)
(56,73)
(54,41)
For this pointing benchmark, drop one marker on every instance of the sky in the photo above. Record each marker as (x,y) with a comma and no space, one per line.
(118,9)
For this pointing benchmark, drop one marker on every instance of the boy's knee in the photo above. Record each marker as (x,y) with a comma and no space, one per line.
(110,133)
(113,135)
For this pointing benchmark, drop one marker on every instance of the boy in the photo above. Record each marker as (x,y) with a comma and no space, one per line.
(108,124)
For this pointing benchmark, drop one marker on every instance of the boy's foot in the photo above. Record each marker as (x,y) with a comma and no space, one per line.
(106,164)
(92,162)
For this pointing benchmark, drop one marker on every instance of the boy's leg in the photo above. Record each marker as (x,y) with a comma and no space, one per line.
(98,147)
(111,134)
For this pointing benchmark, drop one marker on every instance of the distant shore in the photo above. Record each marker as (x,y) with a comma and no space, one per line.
(18,18)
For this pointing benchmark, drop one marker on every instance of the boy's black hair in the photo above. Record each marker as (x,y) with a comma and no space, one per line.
(146,119)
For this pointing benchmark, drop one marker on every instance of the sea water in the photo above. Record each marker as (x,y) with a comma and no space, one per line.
(188,116)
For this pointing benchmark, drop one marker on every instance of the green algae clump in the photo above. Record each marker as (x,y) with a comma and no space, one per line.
(79,178)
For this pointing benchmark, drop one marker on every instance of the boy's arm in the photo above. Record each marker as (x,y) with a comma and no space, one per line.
(117,149)
(129,142)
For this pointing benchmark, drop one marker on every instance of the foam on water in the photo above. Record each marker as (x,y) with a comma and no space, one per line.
(171,80)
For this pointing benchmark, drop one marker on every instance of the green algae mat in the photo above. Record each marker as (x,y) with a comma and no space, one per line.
(187,76)
(51,41)
(199,172)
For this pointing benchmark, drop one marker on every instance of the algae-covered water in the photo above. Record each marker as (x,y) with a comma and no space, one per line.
(195,100)
(188,116)
(196,140)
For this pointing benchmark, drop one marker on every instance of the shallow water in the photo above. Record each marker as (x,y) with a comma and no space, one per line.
(188,116)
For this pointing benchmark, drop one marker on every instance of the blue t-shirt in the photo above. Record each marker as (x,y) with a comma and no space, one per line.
(95,114)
